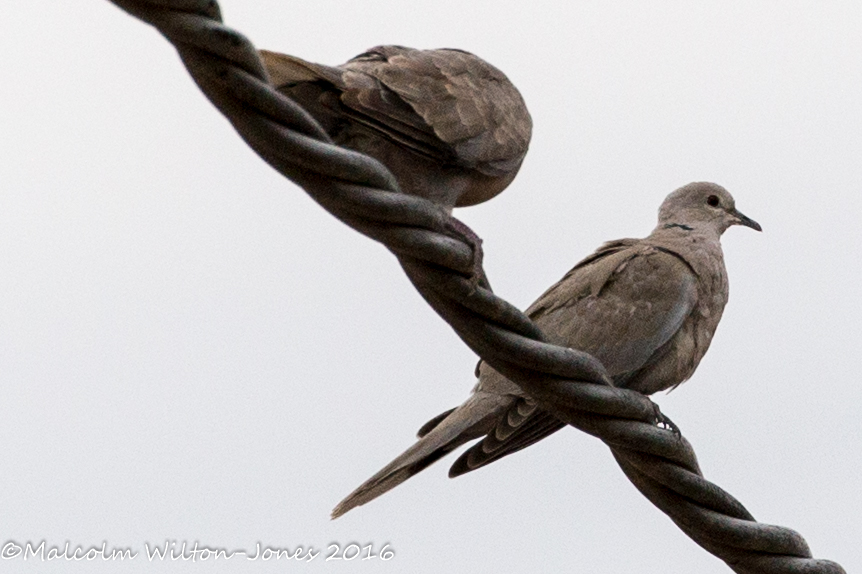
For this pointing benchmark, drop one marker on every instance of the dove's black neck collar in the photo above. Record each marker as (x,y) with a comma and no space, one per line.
(680,225)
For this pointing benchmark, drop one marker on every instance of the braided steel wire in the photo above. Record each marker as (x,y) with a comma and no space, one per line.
(440,262)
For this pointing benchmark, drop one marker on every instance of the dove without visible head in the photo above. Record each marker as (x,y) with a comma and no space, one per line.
(451,127)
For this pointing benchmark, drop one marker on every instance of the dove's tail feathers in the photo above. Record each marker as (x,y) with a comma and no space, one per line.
(502,441)
(388,478)
(439,436)
(287,70)
(432,424)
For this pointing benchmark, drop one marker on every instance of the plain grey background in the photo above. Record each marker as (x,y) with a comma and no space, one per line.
(192,350)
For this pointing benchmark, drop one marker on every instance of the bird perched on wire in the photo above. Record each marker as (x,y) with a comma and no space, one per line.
(451,127)
(646,308)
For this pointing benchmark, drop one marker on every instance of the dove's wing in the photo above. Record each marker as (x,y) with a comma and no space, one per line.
(354,91)
(623,307)
(471,105)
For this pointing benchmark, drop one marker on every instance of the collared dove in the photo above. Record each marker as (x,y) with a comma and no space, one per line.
(451,127)
(646,308)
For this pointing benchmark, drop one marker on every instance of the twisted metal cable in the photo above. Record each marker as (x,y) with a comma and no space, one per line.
(439,261)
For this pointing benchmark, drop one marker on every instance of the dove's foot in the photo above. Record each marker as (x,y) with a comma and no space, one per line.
(663,422)
(461,231)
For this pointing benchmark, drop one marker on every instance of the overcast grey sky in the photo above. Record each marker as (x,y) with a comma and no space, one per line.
(192,350)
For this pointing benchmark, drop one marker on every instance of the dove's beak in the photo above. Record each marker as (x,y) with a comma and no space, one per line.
(745,220)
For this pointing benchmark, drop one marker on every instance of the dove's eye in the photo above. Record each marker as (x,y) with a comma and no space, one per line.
(712,200)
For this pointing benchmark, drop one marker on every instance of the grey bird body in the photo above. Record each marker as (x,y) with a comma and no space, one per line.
(450,127)
(646,308)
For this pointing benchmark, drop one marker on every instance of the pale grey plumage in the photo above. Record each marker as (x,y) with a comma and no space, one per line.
(647,308)
(451,127)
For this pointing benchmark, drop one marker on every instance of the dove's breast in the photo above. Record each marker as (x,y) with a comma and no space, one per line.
(685,350)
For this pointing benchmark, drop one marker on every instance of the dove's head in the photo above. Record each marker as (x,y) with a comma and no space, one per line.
(702,205)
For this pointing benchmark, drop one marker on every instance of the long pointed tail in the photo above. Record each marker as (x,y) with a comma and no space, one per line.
(471,420)
(288,70)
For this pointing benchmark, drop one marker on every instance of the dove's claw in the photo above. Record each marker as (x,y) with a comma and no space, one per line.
(461,231)
(663,422)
